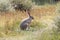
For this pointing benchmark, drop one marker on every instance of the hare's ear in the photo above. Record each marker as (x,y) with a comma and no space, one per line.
(28,12)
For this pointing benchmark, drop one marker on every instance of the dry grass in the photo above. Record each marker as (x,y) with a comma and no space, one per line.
(37,12)
(9,22)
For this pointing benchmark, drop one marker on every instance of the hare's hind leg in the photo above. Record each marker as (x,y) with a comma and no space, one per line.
(23,27)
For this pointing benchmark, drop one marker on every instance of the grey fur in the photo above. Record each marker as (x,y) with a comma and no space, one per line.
(26,22)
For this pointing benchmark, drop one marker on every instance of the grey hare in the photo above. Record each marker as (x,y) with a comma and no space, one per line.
(25,24)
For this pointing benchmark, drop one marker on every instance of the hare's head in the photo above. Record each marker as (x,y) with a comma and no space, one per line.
(31,17)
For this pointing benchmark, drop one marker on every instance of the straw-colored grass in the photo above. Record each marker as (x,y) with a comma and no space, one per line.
(40,27)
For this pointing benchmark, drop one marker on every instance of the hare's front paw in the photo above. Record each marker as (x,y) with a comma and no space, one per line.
(28,28)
